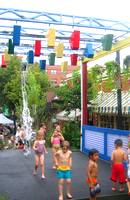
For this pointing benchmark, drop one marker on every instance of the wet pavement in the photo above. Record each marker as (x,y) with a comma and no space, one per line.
(18,183)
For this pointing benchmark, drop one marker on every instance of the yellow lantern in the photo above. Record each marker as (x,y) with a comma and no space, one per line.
(64,66)
(51,36)
(7,56)
(59,50)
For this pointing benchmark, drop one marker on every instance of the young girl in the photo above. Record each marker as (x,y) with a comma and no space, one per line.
(63,159)
(40,149)
(92,174)
(56,140)
(128,171)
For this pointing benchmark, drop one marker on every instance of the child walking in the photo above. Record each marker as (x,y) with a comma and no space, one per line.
(118,169)
(92,174)
(56,140)
(40,150)
(63,159)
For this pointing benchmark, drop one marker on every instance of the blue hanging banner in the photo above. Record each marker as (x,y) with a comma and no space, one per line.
(88,52)
(30,57)
(42,64)
(16,35)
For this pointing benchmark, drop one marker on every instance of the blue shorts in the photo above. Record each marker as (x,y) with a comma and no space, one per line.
(64,174)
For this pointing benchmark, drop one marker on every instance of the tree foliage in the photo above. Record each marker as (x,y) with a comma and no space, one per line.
(10,85)
(70,92)
(37,87)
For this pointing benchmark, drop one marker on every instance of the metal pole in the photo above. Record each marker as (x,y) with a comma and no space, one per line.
(84,94)
(84,114)
(119,94)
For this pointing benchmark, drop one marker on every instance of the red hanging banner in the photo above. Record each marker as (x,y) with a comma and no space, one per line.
(75,40)
(37,48)
(74,58)
(3,64)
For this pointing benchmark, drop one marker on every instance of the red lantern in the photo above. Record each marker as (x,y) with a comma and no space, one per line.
(3,64)
(75,40)
(74,58)
(37,47)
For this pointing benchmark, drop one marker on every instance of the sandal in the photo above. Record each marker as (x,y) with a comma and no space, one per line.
(60,198)
(69,196)
(121,189)
(113,189)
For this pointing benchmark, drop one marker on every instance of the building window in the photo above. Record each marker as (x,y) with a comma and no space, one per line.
(53,71)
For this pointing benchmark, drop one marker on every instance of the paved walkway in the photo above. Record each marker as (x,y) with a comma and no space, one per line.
(18,183)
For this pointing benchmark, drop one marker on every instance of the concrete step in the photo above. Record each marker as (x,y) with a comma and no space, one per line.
(112,197)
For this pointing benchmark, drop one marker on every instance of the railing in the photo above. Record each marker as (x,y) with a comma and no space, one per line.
(102,139)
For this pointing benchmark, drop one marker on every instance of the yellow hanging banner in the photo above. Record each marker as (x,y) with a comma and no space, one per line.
(64,66)
(7,56)
(59,50)
(51,36)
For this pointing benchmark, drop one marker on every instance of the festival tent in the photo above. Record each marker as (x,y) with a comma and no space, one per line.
(5,120)
(68,117)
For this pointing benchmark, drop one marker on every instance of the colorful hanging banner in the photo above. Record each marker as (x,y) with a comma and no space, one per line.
(7,56)
(88,52)
(51,58)
(30,57)
(42,64)
(10,47)
(75,40)
(64,66)
(74,58)
(3,64)
(51,36)
(107,42)
(59,50)
(37,48)
(16,35)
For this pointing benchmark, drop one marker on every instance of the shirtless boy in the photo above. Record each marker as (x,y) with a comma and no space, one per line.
(92,174)
(118,170)
(64,164)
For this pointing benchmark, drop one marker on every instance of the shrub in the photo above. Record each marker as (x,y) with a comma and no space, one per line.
(71,132)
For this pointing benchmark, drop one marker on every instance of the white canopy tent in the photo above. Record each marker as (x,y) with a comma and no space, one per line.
(71,117)
(4,120)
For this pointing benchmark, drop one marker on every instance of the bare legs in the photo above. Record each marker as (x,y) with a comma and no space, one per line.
(61,188)
(39,158)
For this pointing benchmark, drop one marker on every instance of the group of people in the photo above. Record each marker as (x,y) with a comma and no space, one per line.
(62,162)
(120,174)
(61,154)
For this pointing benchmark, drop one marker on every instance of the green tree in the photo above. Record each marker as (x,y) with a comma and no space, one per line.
(37,89)
(10,85)
(70,94)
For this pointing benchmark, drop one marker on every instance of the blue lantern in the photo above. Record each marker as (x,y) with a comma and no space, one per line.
(42,64)
(30,57)
(16,35)
(88,52)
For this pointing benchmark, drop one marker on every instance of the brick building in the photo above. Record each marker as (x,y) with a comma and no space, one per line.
(56,75)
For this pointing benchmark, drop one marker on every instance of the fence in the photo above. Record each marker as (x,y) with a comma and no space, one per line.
(102,139)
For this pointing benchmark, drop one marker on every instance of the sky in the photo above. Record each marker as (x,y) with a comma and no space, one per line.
(112,9)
